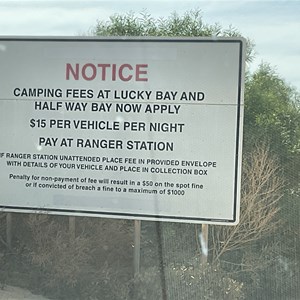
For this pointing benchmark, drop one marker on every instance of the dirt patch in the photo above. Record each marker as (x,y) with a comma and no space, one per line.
(15,293)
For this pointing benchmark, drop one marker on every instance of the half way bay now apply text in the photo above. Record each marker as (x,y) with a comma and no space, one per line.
(107,107)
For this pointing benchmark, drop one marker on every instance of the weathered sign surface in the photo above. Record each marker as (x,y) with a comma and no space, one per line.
(127,128)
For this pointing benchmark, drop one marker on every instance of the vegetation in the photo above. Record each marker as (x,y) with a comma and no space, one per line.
(188,25)
(257,257)
(261,191)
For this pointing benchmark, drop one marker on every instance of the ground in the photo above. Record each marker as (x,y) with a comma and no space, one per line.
(16,293)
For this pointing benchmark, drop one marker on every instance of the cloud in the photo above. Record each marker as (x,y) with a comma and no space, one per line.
(64,19)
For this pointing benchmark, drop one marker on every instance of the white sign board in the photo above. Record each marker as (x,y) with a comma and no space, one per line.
(146,129)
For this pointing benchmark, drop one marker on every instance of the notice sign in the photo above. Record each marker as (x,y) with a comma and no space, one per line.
(146,129)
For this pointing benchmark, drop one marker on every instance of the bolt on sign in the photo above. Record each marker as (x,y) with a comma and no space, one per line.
(136,128)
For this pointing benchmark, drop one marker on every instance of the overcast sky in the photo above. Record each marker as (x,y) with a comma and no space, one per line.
(273,25)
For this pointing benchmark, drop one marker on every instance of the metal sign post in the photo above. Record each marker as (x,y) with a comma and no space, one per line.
(72,227)
(9,230)
(204,243)
(137,247)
